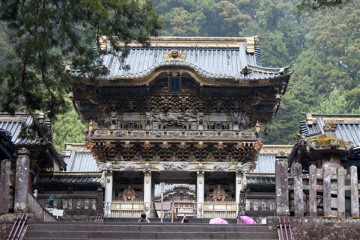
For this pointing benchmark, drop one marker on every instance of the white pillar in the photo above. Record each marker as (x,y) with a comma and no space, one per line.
(147,189)
(108,189)
(238,186)
(200,186)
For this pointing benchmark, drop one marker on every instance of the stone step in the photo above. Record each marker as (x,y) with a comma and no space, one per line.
(148,235)
(108,231)
(132,239)
(149,227)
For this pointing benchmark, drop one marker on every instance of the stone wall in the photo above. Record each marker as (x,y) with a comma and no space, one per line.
(322,228)
(6,222)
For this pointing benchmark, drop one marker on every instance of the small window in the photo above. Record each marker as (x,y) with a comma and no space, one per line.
(174,83)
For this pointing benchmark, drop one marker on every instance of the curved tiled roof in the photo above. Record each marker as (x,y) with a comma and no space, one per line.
(209,62)
(81,162)
(13,125)
(348,126)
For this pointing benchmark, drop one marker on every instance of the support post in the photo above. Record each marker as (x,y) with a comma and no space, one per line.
(341,192)
(327,190)
(354,192)
(238,186)
(313,191)
(200,188)
(22,180)
(147,189)
(108,189)
(298,190)
(282,188)
(5,186)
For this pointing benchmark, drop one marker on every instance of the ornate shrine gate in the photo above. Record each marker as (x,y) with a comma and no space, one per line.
(185,112)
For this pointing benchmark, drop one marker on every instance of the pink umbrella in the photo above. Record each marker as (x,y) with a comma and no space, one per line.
(218,221)
(247,220)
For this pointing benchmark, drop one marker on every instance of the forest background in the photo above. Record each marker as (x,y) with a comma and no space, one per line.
(322,47)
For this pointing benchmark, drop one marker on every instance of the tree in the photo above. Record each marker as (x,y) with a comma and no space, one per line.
(67,128)
(47,35)
(319,4)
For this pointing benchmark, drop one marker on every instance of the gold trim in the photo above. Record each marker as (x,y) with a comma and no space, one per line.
(174,55)
(190,42)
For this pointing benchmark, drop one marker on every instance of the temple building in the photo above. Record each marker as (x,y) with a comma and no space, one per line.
(178,122)
(26,150)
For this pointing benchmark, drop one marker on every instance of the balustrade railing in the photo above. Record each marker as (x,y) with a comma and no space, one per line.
(171,210)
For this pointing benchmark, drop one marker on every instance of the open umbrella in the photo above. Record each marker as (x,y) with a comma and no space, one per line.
(218,221)
(247,220)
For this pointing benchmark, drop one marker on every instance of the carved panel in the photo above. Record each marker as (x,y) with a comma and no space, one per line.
(176,152)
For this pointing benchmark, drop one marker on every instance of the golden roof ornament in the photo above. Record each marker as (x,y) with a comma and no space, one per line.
(174,55)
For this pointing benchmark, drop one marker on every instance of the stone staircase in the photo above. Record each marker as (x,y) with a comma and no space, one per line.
(125,230)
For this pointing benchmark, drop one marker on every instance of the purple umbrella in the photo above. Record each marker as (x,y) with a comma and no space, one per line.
(218,221)
(247,220)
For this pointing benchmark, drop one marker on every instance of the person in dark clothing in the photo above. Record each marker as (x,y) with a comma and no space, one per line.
(143,219)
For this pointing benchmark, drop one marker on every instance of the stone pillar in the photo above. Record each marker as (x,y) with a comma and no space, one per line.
(147,189)
(5,186)
(108,188)
(282,187)
(200,189)
(22,181)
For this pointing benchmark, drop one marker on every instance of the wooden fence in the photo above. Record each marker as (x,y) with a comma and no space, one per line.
(318,192)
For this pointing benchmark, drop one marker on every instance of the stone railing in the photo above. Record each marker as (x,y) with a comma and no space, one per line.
(38,210)
(321,192)
(74,201)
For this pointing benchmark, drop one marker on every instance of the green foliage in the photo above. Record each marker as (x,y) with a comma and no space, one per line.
(323,47)
(319,4)
(67,128)
(47,35)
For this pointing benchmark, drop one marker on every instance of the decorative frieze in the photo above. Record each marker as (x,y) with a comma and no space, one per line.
(183,166)
(222,151)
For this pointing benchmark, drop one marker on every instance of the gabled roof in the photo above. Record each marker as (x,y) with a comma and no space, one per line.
(265,163)
(79,159)
(19,129)
(212,58)
(347,126)
(13,125)
(346,130)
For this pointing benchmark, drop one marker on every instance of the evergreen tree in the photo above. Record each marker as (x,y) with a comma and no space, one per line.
(48,35)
